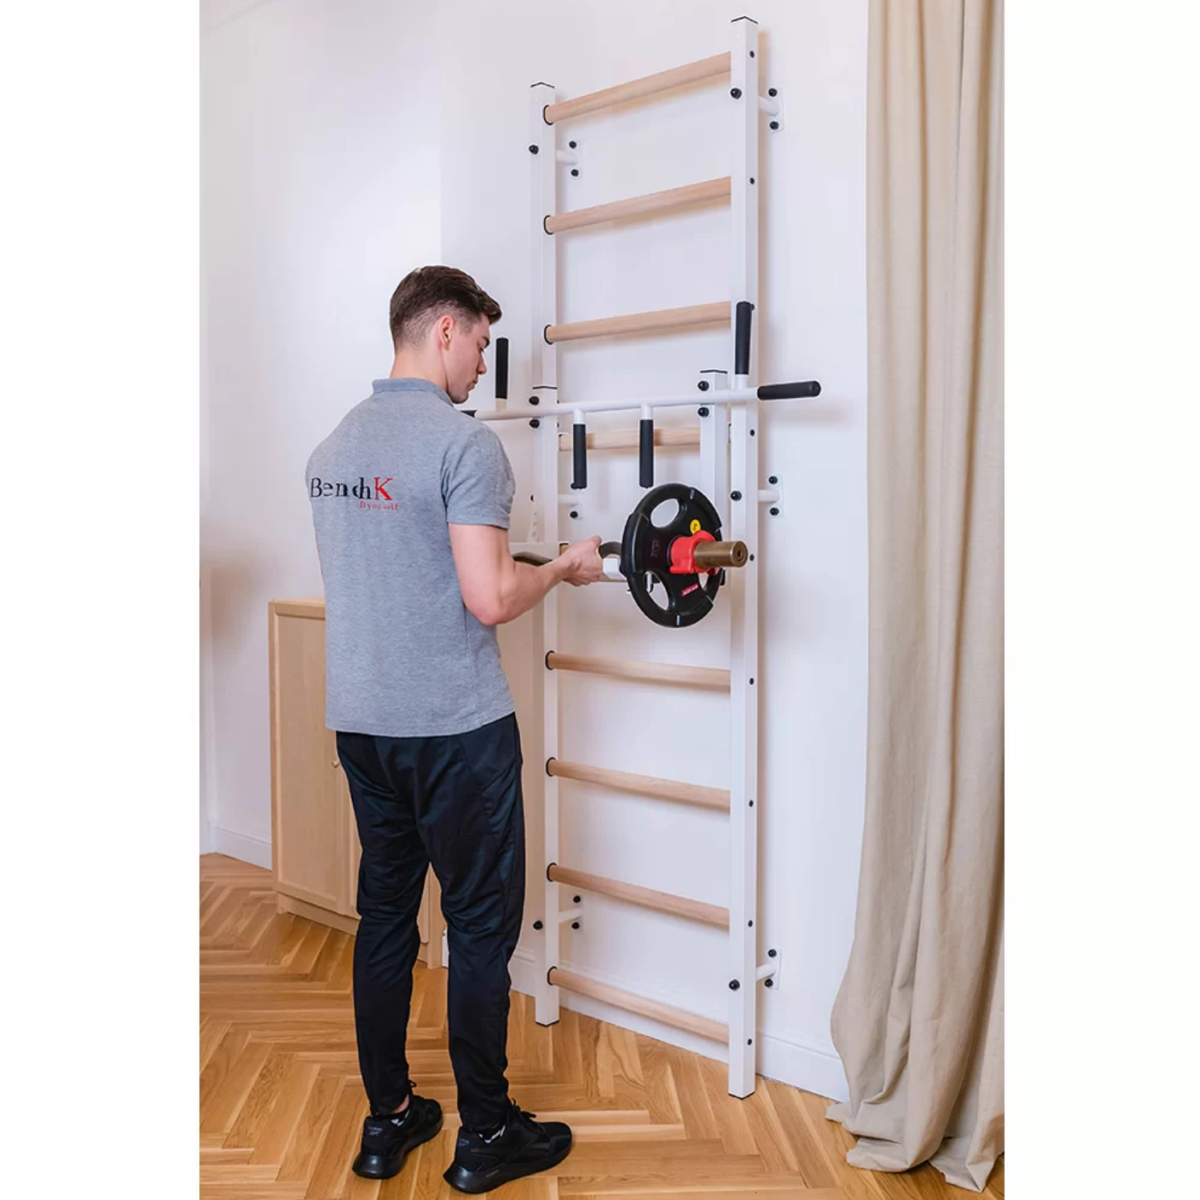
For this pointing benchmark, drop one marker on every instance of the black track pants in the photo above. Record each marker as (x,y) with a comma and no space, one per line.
(453,801)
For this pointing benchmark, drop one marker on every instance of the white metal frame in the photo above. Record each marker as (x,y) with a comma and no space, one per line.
(543,307)
(743,584)
(729,458)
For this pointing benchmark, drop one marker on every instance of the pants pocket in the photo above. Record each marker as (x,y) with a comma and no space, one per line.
(493,753)
(493,759)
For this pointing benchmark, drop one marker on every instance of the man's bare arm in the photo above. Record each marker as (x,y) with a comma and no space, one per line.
(497,589)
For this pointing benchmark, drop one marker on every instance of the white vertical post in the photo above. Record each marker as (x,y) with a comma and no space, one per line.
(714,448)
(743,586)
(544,370)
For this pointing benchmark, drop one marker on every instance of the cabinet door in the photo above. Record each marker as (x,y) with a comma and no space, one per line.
(309,801)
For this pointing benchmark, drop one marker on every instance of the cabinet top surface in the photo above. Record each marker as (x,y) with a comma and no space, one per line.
(308,606)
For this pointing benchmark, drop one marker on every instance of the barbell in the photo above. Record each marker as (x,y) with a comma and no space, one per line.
(685,557)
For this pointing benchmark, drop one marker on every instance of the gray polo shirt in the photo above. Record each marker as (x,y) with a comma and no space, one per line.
(404,656)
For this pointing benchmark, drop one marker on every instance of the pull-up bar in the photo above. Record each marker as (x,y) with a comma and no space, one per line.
(638,89)
(803,389)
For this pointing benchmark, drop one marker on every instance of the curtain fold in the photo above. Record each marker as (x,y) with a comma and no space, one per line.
(919,1018)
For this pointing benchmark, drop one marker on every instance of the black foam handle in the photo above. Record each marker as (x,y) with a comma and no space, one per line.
(741,338)
(502,368)
(789,391)
(579,447)
(646,452)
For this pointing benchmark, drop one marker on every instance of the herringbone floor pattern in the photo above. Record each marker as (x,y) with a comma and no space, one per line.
(281,1102)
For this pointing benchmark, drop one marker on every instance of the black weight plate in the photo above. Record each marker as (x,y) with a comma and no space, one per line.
(646,550)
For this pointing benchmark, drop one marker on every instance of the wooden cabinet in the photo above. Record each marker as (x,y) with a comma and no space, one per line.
(314,842)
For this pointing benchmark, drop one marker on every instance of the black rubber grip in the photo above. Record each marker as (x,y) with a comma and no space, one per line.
(789,391)
(502,368)
(646,452)
(741,338)
(579,447)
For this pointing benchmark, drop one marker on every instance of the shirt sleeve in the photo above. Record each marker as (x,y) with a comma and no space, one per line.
(477,481)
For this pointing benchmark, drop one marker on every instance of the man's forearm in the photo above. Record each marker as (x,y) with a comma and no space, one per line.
(527,586)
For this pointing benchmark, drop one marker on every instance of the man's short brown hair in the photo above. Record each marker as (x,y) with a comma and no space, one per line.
(428,291)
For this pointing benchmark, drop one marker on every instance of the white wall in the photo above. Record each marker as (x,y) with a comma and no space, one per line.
(281,375)
(320,190)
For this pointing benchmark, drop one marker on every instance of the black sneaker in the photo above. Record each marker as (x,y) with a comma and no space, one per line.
(389,1137)
(521,1146)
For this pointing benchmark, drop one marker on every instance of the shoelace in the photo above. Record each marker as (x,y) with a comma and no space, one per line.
(515,1112)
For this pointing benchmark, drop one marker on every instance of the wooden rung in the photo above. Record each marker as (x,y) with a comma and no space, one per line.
(642,785)
(704,677)
(677,906)
(647,322)
(637,89)
(636,206)
(718,1031)
(624,439)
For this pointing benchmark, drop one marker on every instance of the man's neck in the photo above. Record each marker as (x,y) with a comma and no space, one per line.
(413,366)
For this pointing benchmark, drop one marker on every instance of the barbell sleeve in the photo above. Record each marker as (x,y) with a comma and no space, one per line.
(789,391)
(711,556)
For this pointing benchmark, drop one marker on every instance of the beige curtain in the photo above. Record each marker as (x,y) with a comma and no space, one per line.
(919,1019)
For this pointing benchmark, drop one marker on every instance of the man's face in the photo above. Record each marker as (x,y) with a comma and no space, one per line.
(464,357)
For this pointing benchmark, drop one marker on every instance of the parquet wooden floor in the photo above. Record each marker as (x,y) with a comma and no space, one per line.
(281,1101)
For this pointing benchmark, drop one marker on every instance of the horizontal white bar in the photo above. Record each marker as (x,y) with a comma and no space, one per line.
(694,399)
(567,156)
(766,104)
(767,495)
(765,971)
(571,914)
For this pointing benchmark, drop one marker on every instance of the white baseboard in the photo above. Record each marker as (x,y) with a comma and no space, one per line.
(801,1064)
(798,1063)
(207,844)
(239,846)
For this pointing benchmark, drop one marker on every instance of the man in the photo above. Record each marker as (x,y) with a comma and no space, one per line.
(411,502)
